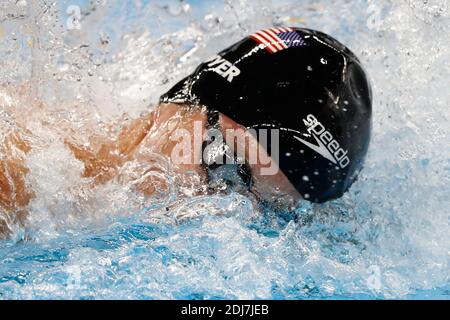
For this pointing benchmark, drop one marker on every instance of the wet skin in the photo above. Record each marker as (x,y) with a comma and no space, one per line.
(105,156)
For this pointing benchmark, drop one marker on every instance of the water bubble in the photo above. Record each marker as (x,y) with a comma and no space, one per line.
(21,3)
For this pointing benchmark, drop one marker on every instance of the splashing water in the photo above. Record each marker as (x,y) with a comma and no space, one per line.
(86,64)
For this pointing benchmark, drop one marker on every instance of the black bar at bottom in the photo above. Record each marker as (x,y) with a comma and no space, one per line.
(233,310)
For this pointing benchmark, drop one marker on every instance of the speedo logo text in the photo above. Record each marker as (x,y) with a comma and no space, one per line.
(325,143)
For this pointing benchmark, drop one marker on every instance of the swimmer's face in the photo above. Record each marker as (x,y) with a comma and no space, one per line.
(276,191)
(269,183)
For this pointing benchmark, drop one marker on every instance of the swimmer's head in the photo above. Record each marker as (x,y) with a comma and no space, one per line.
(306,85)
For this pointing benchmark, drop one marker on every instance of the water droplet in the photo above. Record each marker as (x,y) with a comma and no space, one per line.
(21,3)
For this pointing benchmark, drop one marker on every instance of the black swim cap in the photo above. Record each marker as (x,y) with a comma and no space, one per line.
(304,83)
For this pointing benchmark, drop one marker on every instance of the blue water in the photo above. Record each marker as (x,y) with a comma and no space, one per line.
(387,238)
(154,261)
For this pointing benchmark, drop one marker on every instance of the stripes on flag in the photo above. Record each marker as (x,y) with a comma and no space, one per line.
(278,39)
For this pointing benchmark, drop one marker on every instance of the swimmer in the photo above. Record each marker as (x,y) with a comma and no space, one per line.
(283,115)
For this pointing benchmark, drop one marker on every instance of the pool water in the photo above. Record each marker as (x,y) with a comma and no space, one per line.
(387,238)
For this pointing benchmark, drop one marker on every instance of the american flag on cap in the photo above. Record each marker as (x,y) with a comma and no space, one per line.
(278,39)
